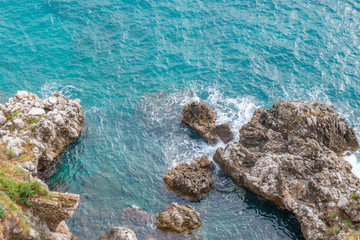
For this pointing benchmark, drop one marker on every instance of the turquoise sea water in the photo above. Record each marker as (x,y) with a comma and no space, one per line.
(135,64)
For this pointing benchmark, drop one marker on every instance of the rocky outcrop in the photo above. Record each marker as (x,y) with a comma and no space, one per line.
(201,118)
(38,130)
(191,180)
(61,206)
(292,156)
(33,133)
(179,218)
(119,233)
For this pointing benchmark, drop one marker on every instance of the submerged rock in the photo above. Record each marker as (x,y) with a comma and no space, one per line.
(292,155)
(119,233)
(191,180)
(179,218)
(136,215)
(201,118)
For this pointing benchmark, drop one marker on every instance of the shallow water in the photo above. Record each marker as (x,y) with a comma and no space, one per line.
(135,64)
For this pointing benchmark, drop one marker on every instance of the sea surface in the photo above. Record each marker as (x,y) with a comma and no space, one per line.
(136,63)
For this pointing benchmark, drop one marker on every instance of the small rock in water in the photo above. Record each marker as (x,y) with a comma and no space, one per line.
(202,118)
(119,233)
(191,180)
(179,218)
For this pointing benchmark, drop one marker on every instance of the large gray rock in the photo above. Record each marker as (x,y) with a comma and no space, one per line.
(292,155)
(119,233)
(201,118)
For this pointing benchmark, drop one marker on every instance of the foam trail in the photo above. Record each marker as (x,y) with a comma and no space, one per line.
(164,110)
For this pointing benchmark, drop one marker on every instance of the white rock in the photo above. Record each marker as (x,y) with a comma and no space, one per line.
(59,120)
(19,123)
(22,94)
(14,144)
(2,118)
(52,100)
(29,166)
(37,111)
(342,203)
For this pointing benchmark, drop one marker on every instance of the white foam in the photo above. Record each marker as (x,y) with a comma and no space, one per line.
(353,160)
(164,110)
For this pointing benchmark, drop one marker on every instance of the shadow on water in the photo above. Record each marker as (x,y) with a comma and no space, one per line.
(264,208)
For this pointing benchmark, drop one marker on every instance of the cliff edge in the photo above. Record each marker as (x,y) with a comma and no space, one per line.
(33,133)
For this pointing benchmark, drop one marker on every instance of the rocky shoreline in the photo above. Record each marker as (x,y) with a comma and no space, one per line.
(291,155)
(33,134)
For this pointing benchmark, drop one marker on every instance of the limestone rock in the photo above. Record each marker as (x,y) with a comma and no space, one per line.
(292,156)
(179,218)
(119,233)
(191,180)
(201,118)
(54,211)
(34,132)
(48,125)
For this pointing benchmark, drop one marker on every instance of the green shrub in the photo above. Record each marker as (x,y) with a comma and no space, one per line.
(10,153)
(21,192)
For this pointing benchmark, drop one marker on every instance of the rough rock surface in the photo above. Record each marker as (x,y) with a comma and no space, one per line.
(201,118)
(34,132)
(40,128)
(179,218)
(62,206)
(119,233)
(292,155)
(191,180)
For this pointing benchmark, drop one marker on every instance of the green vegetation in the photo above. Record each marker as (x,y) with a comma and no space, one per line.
(345,221)
(10,153)
(2,213)
(34,120)
(316,104)
(333,215)
(313,113)
(334,230)
(21,192)
(16,113)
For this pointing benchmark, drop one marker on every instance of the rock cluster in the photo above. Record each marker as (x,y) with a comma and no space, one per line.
(191,180)
(33,133)
(119,233)
(201,118)
(292,155)
(179,218)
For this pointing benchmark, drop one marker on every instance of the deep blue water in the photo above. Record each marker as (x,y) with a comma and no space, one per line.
(135,65)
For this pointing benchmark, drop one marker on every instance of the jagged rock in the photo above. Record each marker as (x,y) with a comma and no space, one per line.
(43,127)
(119,233)
(292,155)
(179,218)
(191,180)
(34,132)
(201,118)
